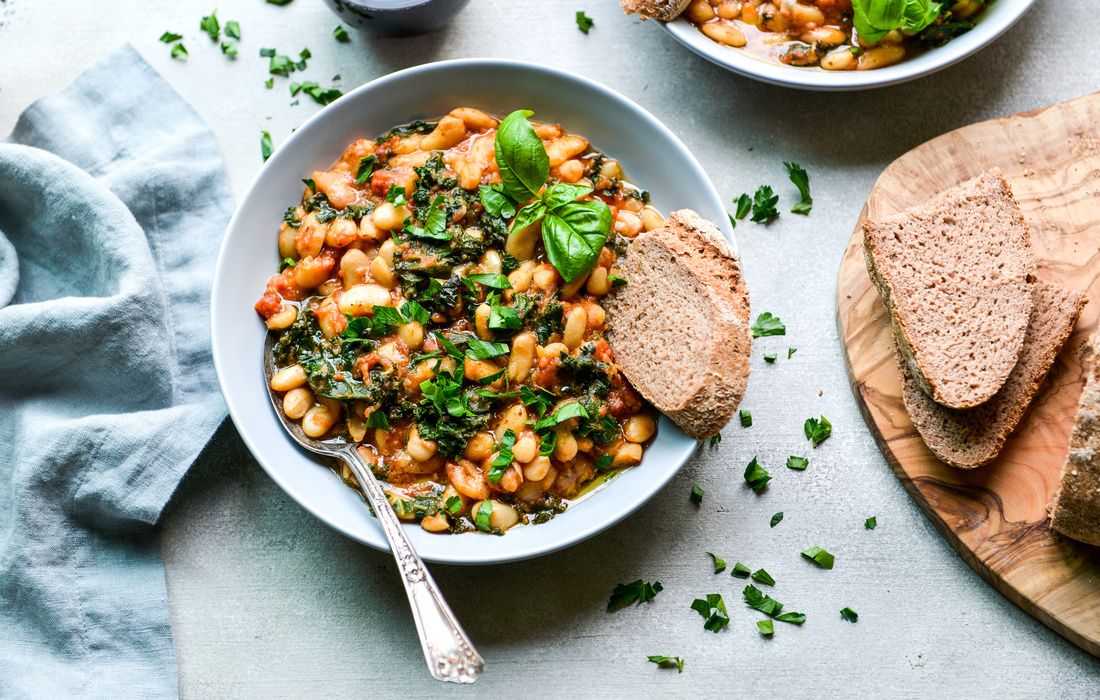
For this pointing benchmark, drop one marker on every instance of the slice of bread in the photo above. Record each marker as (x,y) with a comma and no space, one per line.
(971,437)
(1075,511)
(680,326)
(664,10)
(956,275)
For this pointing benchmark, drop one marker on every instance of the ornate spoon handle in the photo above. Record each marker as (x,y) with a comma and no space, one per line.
(450,655)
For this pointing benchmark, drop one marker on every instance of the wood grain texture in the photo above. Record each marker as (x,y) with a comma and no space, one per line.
(996,516)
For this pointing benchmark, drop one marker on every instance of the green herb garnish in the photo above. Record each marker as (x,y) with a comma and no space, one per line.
(745,417)
(741,571)
(453,504)
(713,610)
(766,627)
(817,430)
(763,577)
(849,615)
(584,22)
(801,180)
(744,204)
(763,205)
(766,324)
(169,37)
(180,51)
(287,262)
(797,463)
(777,518)
(668,662)
(233,29)
(635,592)
(870,523)
(791,352)
(794,618)
(756,476)
(696,494)
(756,600)
(266,148)
(484,512)
(503,460)
(340,34)
(770,358)
(719,562)
(820,557)
(874,19)
(210,25)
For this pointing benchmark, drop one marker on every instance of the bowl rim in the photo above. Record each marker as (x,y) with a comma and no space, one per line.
(452,555)
(996,22)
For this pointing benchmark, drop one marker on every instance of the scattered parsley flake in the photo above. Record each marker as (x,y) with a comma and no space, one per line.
(763,577)
(169,37)
(210,25)
(817,430)
(269,83)
(741,571)
(870,523)
(287,262)
(584,22)
(794,618)
(453,504)
(668,662)
(744,204)
(719,562)
(766,627)
(266,149)
(696,494)
(767,324)
(770,358)
(797,463)
(763,205)
(366,167)
(801,180)
(635,592)
(745,417)
(233,29)
(180,51)
(820,557)
(503,460)
(777,518)
(791,352)
(756,600)
(757,476)
(849,615)
(229,49)
(713,610)
(340,34)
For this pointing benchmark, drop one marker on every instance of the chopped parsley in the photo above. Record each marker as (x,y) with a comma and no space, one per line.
(797,463)
(481,517)
(794,618)
(696,494)
(233,29)
(820,557)
(777,518)
(287,262)
(849,615)
(746,418)
(763,205)
(763,577)
(180,51)
(770,358)
(719,562)
(266,148)
(633,593)
(340,34)
(756,476)
(366,167)
(801,180)
(744,204)
(503,460)
(603,463)
(453,504)
(791,352)
(210,25)
(740,570)
(756,600)
(870,523)
(584,22)
(169,37)
(715,439)
(817,430)
(229,49)
(320,95)
(766,627)
(713,610)
(668,662)
(767,324)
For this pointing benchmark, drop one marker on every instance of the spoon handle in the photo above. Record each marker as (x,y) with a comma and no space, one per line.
(450,655)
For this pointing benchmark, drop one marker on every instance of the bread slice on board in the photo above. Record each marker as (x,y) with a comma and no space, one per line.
(970,437)
(664,10)
(956,275)
(1075,511)
(680,326)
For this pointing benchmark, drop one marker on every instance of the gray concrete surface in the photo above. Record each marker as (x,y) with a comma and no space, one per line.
(268,602)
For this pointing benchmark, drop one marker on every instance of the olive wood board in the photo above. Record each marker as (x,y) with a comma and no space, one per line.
(996,516)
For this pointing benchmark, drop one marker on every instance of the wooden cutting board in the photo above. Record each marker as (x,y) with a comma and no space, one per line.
(996,516)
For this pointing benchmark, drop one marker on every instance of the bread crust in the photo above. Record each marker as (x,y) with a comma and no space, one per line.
(1075,510)
(663,10)
(711,382)
(970,438)
(884,248)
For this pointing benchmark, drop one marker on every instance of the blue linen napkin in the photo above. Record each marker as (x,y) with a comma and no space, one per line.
(113,200)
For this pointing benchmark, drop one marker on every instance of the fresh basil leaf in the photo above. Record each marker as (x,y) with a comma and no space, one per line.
(412,311)
(766,324)
(766,627)
(266,147)
(817,430)
(849,615)
(874,19)
(396,196)
(496,202)
(435,226)
(573,236)
(758,601)
(527,216)
(801,180)
(634,592)
(567,411)
(377,419)
(791,352)
(520,156)
(453,505)
(503,460)
(777,518)
(484,350)
(494,280)
(490,378)
(797,463)
(820,557)
(757,476)
(484,512)
(715,439)
(562,194)
(366,167)
(740,570)
(719,562)
(602,463)
(763,577)
(668,661)
(794,618)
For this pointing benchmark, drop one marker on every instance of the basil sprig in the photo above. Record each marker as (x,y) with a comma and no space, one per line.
(573,232)
(874,19)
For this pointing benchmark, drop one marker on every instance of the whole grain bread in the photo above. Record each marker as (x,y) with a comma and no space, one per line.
(970,437)
(680,327)
(1075,510)
(663,10)
(956,274)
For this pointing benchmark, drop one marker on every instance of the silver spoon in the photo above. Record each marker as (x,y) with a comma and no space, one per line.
(450,655)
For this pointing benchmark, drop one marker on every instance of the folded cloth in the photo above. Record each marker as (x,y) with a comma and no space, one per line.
(112,205)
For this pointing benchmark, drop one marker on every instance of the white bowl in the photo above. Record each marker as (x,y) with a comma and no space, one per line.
(652,157)
(996,20)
